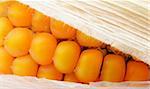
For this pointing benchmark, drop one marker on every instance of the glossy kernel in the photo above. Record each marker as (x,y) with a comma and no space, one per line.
(89,64)
(18,41)
(66,56)
(20,14)
(24,66)
(137,71)
(42,48)
(113,69)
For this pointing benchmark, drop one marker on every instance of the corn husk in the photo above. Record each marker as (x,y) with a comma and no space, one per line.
(123,24)
(17,82)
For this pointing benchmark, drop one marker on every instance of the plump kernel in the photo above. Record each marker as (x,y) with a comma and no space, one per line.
(89,64)
(137,71)
(18,41)
(42,48)
(20,14)
(24,66)
(113,69)
(66,56)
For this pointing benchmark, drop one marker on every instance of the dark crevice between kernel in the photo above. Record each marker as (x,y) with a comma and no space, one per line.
(37,71)
(83,48)
(63,76)
(103,46)
(61,40)
(110,51)
(128,58)
(101,67)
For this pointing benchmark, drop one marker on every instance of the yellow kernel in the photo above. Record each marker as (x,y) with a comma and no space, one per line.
(5,61)
(24,66)
(71,77)
(42,48)
(87,41)
(49,72)
(89,64)
(137,71)
(61,30)
(5,28)
(113,68)
(40,22)
(18,41)
(20,14)
(66,56)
